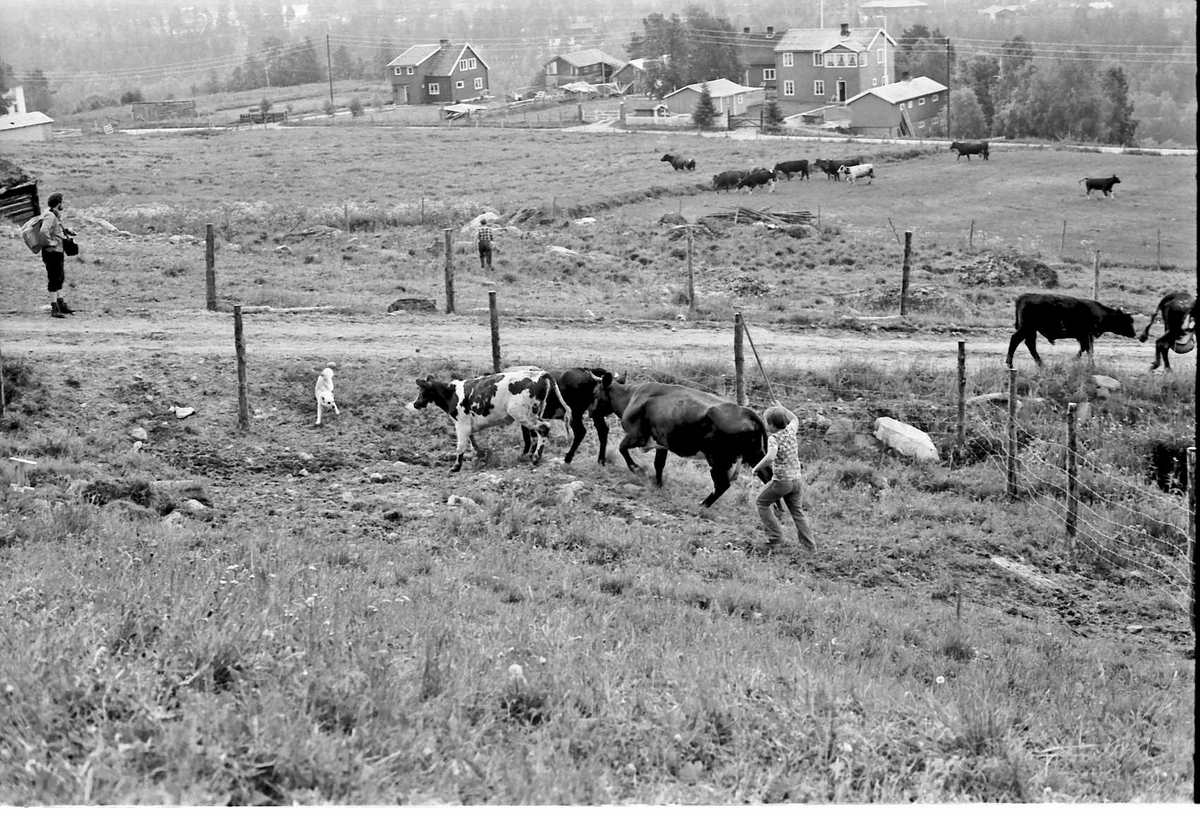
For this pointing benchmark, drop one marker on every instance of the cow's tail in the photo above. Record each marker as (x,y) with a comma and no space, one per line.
(566,407)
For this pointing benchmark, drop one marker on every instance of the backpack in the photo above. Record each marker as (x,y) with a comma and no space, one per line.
(31,232)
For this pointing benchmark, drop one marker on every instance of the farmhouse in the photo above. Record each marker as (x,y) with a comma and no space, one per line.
(438,74)
(816,67)
(756,51)
(632,77)
(911,107)
(591,65)
(728,97)
(31,127)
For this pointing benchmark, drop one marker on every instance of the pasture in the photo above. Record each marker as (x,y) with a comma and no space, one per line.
(337,620)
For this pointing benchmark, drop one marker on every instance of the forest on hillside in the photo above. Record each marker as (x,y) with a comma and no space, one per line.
(1056,70)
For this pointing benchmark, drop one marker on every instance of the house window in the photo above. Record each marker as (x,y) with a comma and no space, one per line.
(921,123)
(879,57)
(789,88)
(818,88)
(787,59)
(830,61)
(910,104)
(460,85)
(921,101)
(434,89)
(739,99)
(479,83)
(852,61)
(399,71)
(874,81)
(841,61)
(935,97)
(409,71)
(552,68)
(464,65)
(769,74)
(817,59)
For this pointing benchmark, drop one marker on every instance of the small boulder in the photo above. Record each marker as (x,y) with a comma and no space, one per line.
(905,439)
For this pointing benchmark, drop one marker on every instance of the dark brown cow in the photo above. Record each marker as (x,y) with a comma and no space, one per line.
(686,422)
(1177,311)
(1056,317)
(969,149)
(1102,184)
(679,163)
(577,386)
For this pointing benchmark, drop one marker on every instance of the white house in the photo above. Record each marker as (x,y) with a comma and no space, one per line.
(32,127)
(728,97)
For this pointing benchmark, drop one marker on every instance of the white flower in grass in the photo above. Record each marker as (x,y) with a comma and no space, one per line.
(516,674)
(940,680)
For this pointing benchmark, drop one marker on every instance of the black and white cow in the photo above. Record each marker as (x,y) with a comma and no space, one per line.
(1055,316)
(1177,311)
(969,149)
(727,180)
(1104,185)
(679,163)
(793,167)
(494,400)
(759,177)
(855,172)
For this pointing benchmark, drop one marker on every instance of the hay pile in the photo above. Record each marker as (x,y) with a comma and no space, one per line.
(996,269)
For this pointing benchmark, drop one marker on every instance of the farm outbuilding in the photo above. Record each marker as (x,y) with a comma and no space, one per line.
(729,98)
(590,65)
(18,193)
(32,127)
(911,107)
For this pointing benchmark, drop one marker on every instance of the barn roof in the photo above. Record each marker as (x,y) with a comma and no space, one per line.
(902,91)
(589,56)
(415,55)
(10,121)
(719,87)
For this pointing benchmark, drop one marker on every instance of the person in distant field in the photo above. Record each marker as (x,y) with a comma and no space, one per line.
(786,482)
(53,232)
(484,237)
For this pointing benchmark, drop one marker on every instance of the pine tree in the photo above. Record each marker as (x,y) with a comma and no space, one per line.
(1119,125)
(706,112)
(772,118)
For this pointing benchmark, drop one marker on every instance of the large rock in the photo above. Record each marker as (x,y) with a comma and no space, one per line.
(905,439)
(412,306)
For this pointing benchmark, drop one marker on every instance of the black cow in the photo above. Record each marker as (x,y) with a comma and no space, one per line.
(1104,185)
(686,422)
(757,177)
(727,180)
(1177,310)
(1056,317)
(792,168)
(679,163)
(577,386)
(968,149)
(830,166)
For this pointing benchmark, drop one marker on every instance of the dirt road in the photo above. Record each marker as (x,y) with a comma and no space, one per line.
(620,345)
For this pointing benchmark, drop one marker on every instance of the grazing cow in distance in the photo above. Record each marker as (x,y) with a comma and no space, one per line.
(969,149)
(727,180)
(679,163)
(1104,185)
(1056,317)
(687,423)
(498,399)
(759,177)
(792,168)
(577,386)
(856,172)
(1177,310)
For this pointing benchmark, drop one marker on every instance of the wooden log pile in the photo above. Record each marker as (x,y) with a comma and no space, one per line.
(739,214)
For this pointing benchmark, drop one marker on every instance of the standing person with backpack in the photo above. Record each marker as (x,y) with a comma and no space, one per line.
(53,233)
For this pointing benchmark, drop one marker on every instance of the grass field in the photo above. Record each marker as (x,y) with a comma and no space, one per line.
(338,621)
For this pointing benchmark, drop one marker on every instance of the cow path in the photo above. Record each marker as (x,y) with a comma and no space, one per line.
(623,346)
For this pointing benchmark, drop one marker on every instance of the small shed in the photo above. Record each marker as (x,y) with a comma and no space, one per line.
(911,107)
(728,97)
(18,193)
(31,127)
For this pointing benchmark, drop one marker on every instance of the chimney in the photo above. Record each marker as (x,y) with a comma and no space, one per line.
(904,76)
(745,29)
(444,42)
(770,31)
(845,29)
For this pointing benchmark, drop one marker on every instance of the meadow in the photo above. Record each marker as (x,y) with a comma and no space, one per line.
(336,619)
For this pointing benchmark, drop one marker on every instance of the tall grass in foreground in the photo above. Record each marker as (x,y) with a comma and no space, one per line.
(361,650)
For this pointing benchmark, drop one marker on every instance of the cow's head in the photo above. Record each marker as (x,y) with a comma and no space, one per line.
(602,394)
(1119,323)
(666,158)
(430,391)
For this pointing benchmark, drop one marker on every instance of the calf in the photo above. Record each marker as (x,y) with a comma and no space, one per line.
(686,422)
(1105,186)
(756,178)
(1056,317)
(795,167)
(856,172)
(498,399)
(324,393)
(969,149)
(727,180)
(679,163)
(1177,317)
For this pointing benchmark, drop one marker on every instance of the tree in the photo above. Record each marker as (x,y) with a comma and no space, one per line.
(1118,125)
(345,65)
(5,71)
(356,108)
(979,74)
(705,113)
(38,96)
(772,118)
(681,52)
(924,54)
(713,48)
(966,115)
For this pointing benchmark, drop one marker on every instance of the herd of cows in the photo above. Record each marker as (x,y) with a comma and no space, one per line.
(679,420)
(852,169)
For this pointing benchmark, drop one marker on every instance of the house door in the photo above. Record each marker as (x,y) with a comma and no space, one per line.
(841,90)
(403,95)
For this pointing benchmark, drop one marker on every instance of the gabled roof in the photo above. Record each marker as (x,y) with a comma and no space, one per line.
(823,39)
(415,55)
(588,56)
(902,91)
(441,58)
(719,87)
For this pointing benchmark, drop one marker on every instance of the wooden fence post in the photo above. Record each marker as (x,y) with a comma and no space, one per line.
(691,276)
(1096,277)
(1062,243)
(449,240)
(346,215)
(739,361)
(1158,249)
(495,322)
(210,269)
(1191,467)
(239,346)
(971,237)
(962,396)
(1,385)
(1072,481)
(904,270)
(1011,458)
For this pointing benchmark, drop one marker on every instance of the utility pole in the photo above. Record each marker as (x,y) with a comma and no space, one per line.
(948,134)
(329,67)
